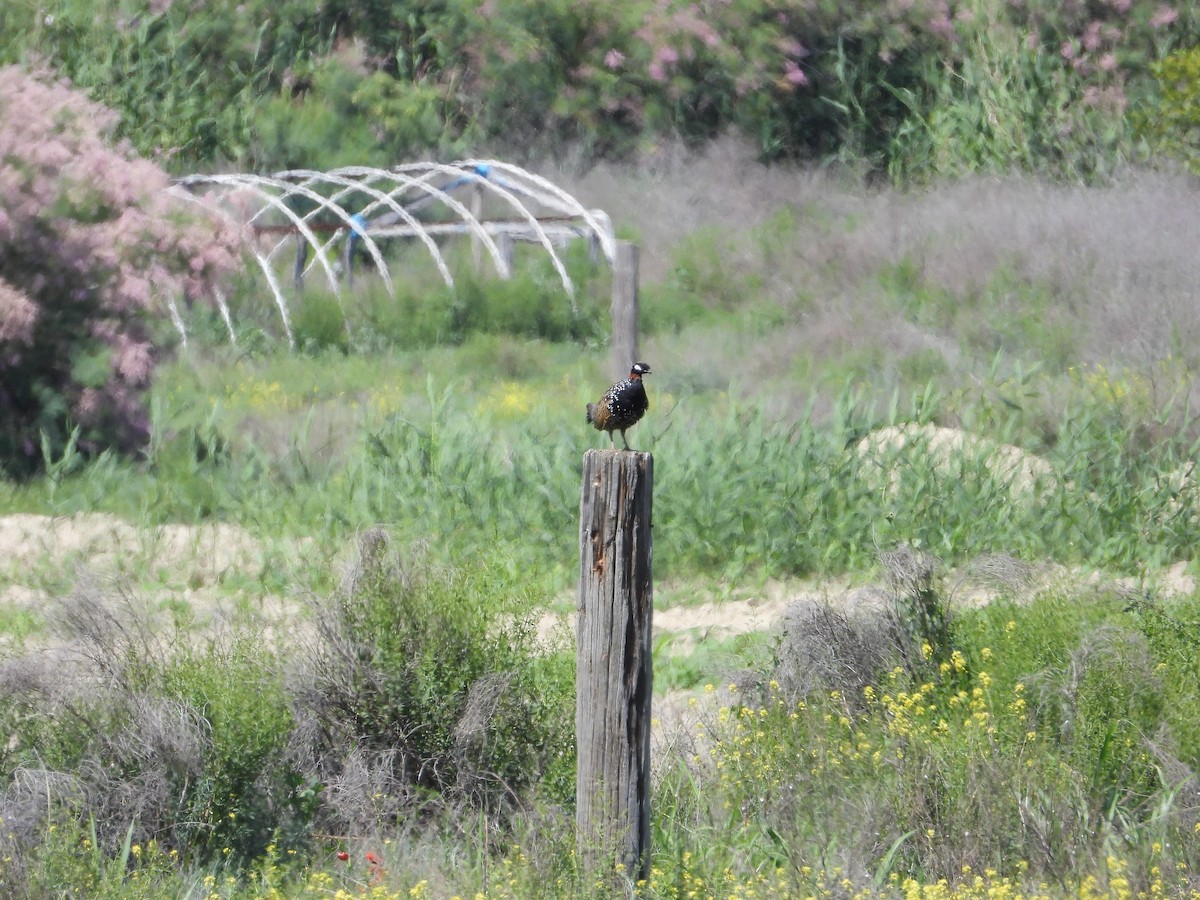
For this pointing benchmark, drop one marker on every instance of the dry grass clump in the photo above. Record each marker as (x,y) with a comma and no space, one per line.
(906,623)
(993,575)
(88,737)
(822,648)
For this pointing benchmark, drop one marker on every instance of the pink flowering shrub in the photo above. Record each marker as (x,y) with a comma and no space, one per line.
(90,246)
(1035,84)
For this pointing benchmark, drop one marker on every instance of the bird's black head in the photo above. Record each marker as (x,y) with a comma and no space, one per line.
(639,369)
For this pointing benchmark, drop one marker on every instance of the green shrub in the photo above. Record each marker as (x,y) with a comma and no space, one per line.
(914,89)
(427,685)
(1118,708)
(319,323)
(245,795)
(1172,630)
(1173,122)
(338,112)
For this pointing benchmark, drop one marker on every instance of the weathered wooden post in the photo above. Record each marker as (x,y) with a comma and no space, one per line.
(613,676)
(475,207)
(508,250)
(624,308)
(348,260)
(301,259)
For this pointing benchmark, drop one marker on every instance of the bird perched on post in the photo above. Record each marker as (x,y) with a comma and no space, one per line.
(622,406)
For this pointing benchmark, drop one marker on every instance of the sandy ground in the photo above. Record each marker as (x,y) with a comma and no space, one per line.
(34,548)
(39,552)
(40,555)
(194,562)
(98,540)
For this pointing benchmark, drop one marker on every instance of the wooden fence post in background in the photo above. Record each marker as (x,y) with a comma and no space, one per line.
(475,207)
(301,259)
(613,674)
(508,250)
(348,261)
(624,308)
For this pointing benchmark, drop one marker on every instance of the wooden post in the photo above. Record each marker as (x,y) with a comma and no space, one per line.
(301,259)
(613,676)
(475,207)
(624,308)
(508,250)
(348,260)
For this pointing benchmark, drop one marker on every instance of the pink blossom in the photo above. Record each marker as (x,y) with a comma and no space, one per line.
(613,58)
(667,55)
(793,48)
(657,73)
(17,314)
(690,21)
(1108,62)
(941,26)
(1067,50)
(137,289)
(1164,15)
(134,361)
(793,74)
(1091,35)
(89,405)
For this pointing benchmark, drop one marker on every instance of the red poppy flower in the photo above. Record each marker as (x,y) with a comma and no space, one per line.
(343,855)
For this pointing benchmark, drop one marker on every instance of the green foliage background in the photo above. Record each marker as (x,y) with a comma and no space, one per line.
(912,90)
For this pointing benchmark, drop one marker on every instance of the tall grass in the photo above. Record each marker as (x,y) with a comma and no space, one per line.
(492,469)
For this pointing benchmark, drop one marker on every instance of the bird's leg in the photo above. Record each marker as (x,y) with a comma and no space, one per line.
(625,440)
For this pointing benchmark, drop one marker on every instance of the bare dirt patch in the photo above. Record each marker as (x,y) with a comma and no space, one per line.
(99,540)
(200,558)
(186,565)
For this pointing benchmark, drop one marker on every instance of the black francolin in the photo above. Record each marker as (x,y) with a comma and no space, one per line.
(622,406)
